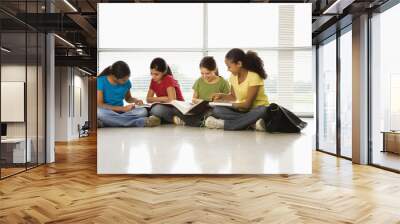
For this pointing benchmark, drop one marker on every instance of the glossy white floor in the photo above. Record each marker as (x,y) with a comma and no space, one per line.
(184,150)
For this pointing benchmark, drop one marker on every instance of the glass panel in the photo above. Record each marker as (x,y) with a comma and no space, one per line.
(327,96)
(31,98)
(184,66)
(346,94)
(295,87)
(122,26)
(386,89)
(302,28)
(13,79)
(301,93)
(41,98)
(223,30)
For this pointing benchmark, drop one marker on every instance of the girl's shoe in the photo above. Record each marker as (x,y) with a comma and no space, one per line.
(214,123)
(260,125)
(152,121)
(178,121)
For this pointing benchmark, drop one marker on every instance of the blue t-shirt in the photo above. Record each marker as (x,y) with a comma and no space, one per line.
(113,94)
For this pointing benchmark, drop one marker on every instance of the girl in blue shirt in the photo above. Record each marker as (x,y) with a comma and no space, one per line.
(113,87)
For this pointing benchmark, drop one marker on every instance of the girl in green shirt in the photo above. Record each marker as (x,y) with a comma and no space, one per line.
(203,89)
(210,82)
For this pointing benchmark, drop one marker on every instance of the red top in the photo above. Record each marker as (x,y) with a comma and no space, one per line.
(160,89)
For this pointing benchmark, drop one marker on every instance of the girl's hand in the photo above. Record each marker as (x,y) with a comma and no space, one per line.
(235,105)
(128,108)
(194,100)
(217,97)
(139,102)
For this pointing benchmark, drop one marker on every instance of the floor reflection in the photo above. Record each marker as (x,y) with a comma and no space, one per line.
(184,150)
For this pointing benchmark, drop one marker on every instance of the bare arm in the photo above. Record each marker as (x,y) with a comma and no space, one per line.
(150,96)
(163,99)
(130,99)
(251,96)
(171,95)
(224,97)
(195,98)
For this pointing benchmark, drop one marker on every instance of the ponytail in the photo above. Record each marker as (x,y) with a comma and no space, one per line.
(161,65)
(105,72)
(210,64)
(255,63)
(250,61)
(119,69)
(216,72)
(169,71)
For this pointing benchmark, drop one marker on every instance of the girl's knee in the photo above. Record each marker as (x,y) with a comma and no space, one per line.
(157,110)
(216,110)
(219,110)
(102,113)
(141,112)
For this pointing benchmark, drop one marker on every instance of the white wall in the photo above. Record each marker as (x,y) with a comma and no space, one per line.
(33,127)
(71,94)
(61,105)
(16,73)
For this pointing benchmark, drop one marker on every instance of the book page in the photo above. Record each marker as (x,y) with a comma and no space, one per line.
(182,106)
(145,105)
(224,104)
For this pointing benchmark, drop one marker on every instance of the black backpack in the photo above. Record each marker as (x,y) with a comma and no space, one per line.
(280,119)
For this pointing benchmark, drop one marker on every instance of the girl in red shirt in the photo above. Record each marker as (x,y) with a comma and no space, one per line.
(163,89)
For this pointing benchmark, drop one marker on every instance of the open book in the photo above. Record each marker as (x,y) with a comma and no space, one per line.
(223,104)
(186,108)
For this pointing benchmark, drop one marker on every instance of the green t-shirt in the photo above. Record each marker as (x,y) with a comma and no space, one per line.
(205,90)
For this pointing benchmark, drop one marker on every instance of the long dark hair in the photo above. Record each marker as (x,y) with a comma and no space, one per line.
(119,69)
(161,65)
(209,63)
(250,61)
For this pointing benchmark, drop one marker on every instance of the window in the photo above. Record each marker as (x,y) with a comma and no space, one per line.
(327,96)
(149,25)
(188,32)
(224,20)
(385,84)
(346,94)
(22,64)
(184,66)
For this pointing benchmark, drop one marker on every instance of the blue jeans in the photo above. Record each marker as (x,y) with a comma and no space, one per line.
(133,118)
(236,120)
(165,112)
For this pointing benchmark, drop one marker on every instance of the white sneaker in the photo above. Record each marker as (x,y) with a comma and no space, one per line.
(214,123)
(178,121)
(152,121)
(260,125)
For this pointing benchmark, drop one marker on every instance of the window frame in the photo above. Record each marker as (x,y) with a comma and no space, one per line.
(205,49)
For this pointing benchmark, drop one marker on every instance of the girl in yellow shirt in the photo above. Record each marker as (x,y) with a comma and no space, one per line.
(247,94)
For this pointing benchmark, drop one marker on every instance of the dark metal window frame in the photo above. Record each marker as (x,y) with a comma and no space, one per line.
(334,37)
(381,9)
(389,4)
(44,75)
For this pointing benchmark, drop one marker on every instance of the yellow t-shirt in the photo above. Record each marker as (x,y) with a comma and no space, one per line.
(252,79)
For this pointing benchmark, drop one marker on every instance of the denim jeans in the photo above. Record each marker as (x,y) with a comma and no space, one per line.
(133,118)
(237,120)
(166,113)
